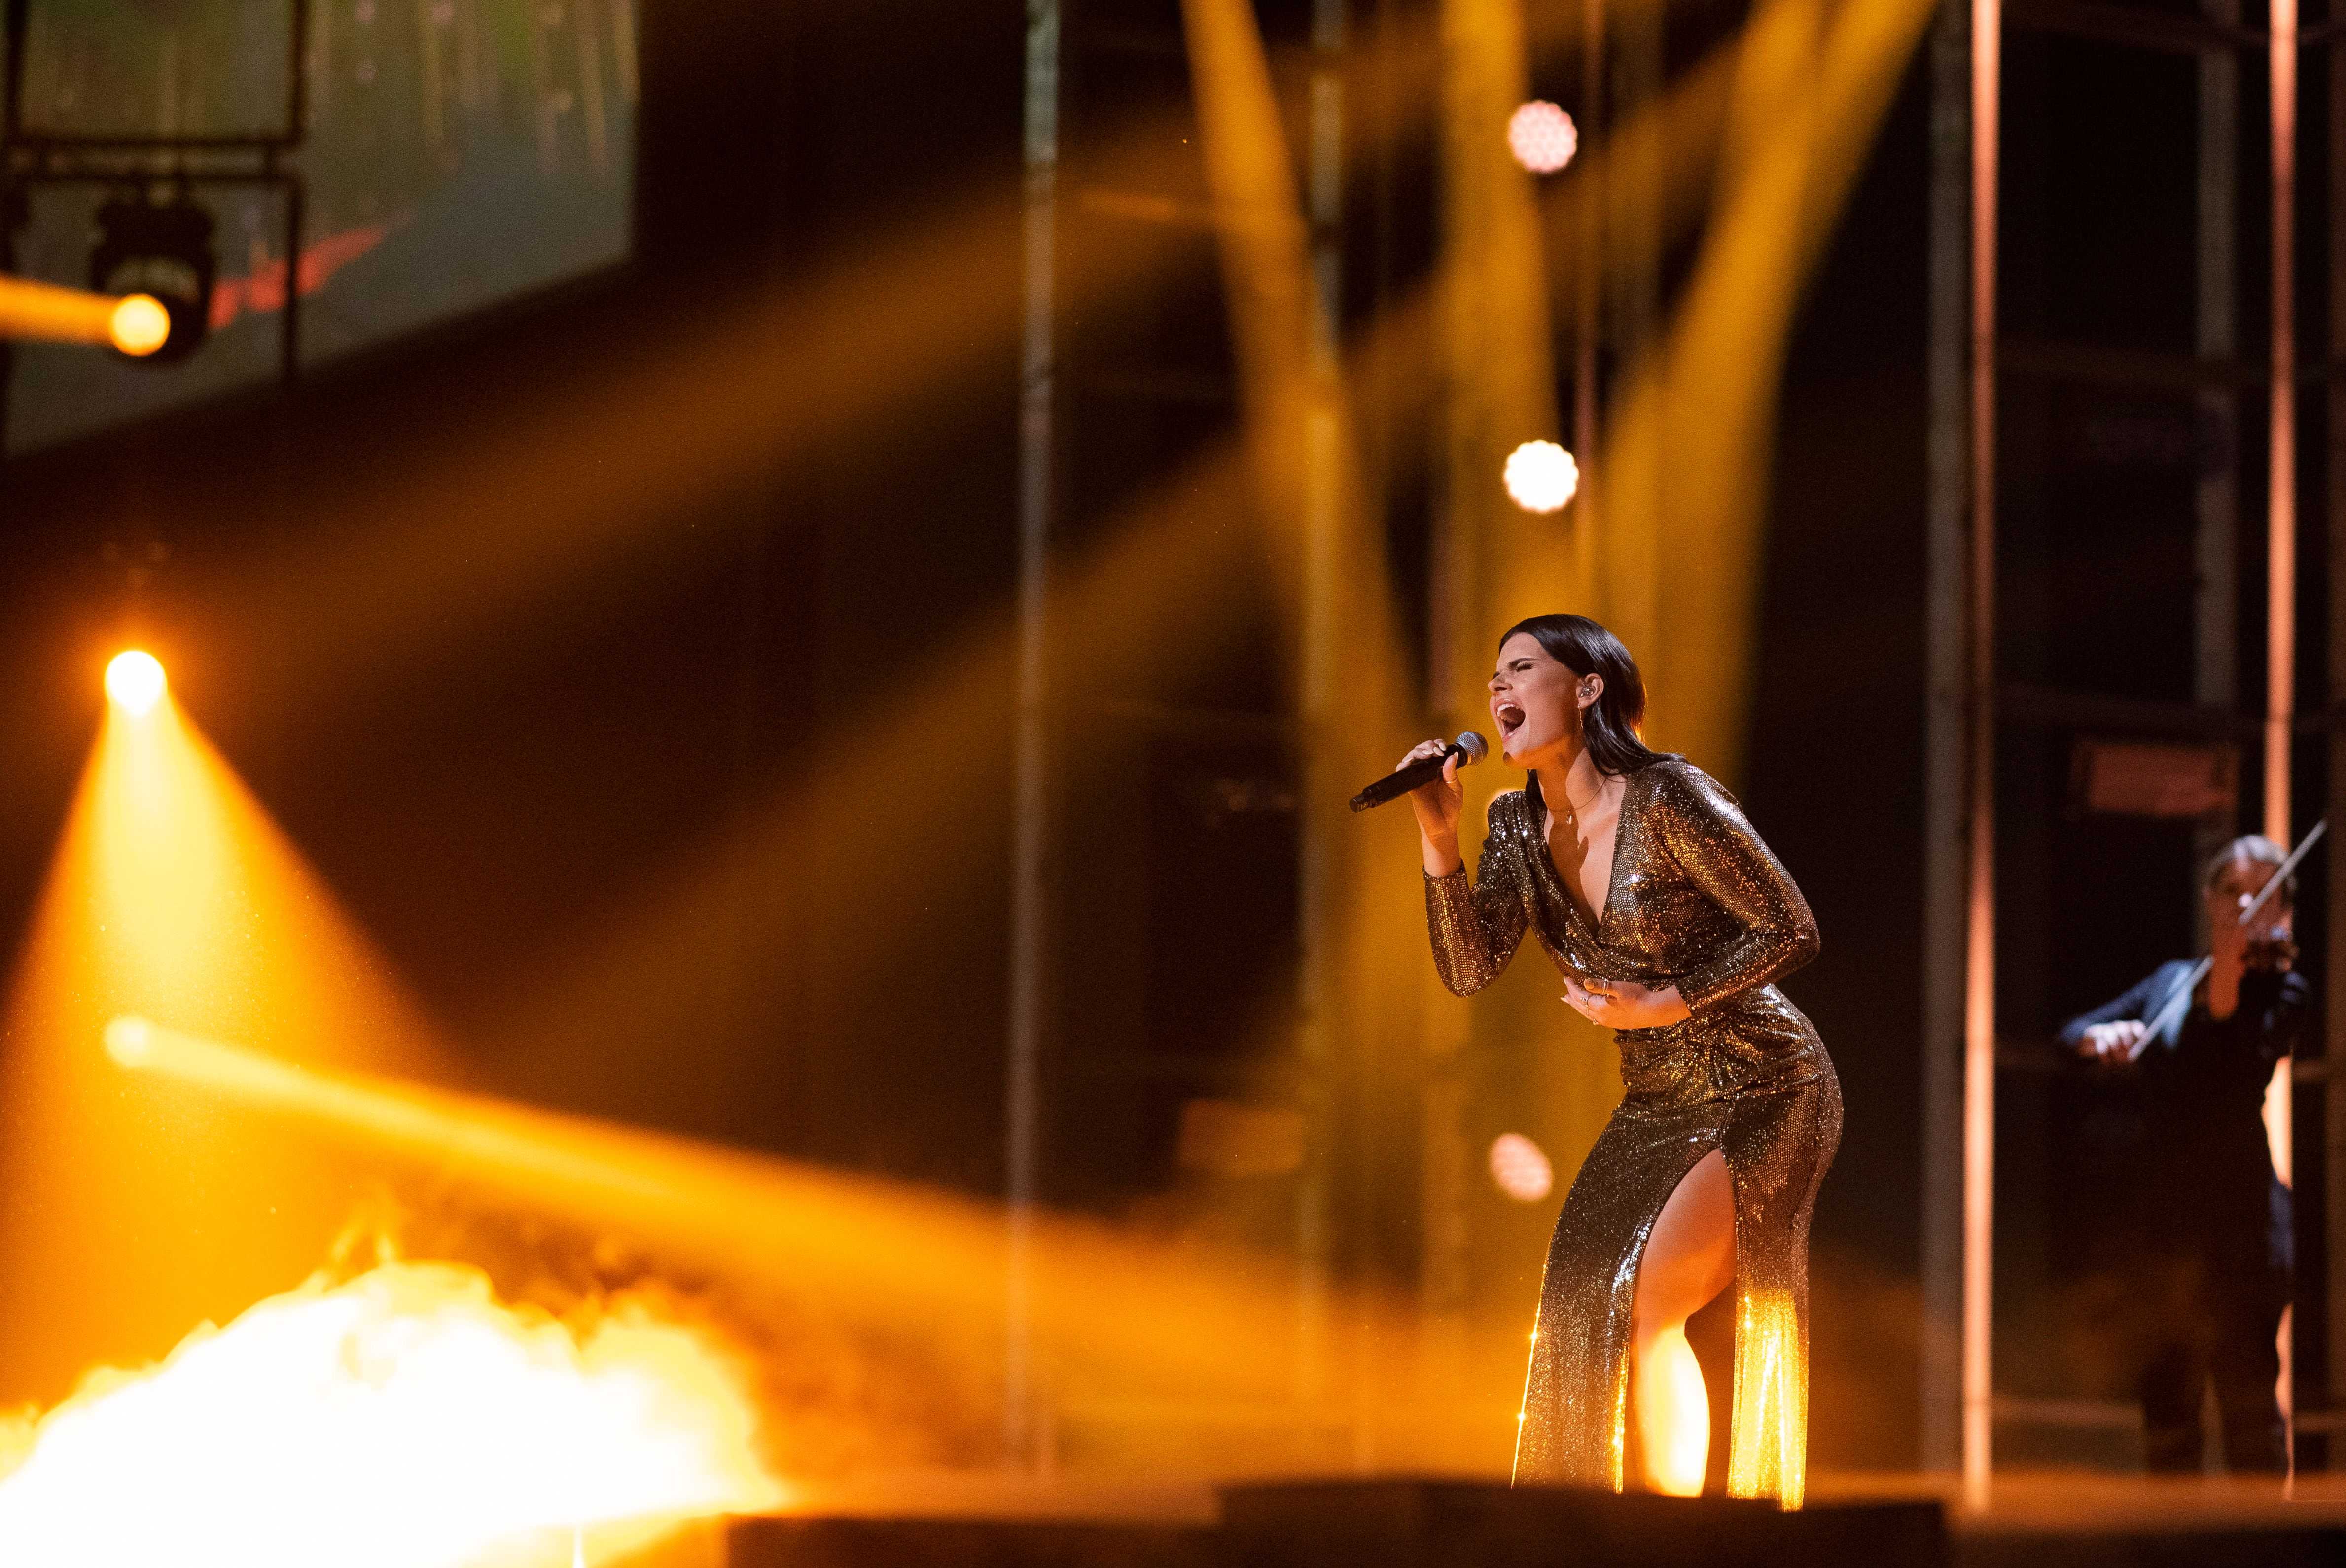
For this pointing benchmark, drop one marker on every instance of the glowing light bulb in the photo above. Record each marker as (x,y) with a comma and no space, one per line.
(1542,137)
(139,325)
(135,681)
(1522,1171)
(1542,476)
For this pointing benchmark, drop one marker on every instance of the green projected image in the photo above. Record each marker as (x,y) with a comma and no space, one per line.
(457,152)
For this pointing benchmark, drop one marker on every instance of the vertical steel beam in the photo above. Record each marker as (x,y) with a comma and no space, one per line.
(1638,66)
(1633,179)
(1979,670)
(1022,1417)
(1324,501)
(2334,1083)
(2216,537)
(1589,269)
(2280,596)
(1945,826)
(18,28)
(2281,615)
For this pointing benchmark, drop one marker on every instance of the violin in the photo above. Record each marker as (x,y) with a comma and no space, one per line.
(2272,952)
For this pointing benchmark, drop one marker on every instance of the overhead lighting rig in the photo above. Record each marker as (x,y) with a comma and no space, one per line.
(163,248)
(154,238)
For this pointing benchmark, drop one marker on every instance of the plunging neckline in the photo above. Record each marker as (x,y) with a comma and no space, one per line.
(1612,870)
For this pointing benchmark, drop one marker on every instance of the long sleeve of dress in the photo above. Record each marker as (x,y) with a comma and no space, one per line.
(1720,852)
(1475,929)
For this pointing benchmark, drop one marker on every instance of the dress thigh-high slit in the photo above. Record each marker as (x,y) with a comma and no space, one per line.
(1697,902)
(1777,1136)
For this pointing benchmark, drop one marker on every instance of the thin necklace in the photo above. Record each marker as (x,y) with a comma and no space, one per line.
(1569,812)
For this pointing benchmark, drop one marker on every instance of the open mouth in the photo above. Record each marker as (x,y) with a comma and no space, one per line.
(1511,719)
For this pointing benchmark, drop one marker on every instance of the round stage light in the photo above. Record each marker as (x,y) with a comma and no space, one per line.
(130,1041)
(135,681)
(1521,1168)
(1542,476)
(139,325)
(160,245)
(1542,137)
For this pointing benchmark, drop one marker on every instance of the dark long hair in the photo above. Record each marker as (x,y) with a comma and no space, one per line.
(1608,727)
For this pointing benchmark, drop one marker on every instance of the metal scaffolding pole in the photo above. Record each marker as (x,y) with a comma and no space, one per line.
(2215,537)
(2334,1083)
(2281,596)
(2281,617)
(1588,274)
(1024,1427)
(1322,523)
(1944,909)
(1959,821)
(1979,702)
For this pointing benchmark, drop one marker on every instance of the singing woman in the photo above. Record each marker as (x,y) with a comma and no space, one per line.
(1670,922)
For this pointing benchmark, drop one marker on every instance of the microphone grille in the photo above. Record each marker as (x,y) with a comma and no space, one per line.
(1474,745)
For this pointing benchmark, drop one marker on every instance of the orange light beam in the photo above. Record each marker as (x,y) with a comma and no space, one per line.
(924,1261)
(1684,461)
(408,1117)
(696,414)
(1157,578)
(135,324)
(171,894)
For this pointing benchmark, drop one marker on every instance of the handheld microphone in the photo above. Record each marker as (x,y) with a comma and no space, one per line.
(1469,748)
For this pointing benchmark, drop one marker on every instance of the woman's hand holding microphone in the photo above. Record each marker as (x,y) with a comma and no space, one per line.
(1437,806)
(1614,1004)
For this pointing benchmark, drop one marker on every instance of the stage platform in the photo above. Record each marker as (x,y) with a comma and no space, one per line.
(2028,1522)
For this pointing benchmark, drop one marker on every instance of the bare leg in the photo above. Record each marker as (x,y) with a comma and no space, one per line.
(1689,1258)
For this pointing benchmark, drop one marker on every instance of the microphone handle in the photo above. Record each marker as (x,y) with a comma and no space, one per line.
(1395,785)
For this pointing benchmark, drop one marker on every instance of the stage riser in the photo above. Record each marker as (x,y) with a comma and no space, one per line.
(1383,1525)
(1444,1524)
(966,1543)
(2275,1548)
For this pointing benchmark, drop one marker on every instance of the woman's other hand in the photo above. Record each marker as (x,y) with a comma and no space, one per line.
(1625,1004)
(1438,806)
(2111,1041)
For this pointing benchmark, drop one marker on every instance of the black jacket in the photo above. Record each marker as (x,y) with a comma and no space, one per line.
(2190,1129)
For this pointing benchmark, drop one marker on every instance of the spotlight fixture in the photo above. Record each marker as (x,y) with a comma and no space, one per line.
(162,250)
(135,681)
(1542,137)
(1542,476)
(139,326)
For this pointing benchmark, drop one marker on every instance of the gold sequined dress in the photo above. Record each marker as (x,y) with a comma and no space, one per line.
(1696,900)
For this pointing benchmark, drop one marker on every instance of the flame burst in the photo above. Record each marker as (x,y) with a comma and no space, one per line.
(404,1419)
